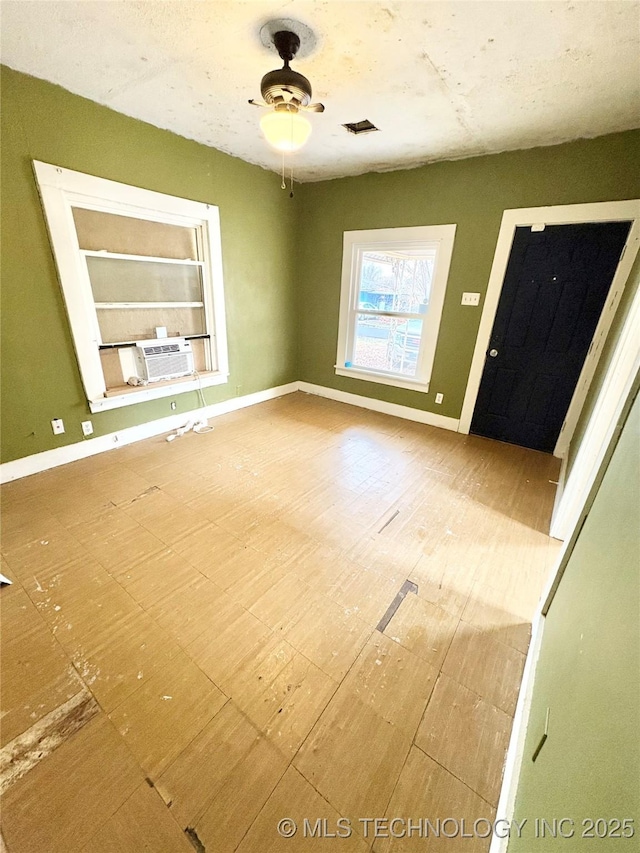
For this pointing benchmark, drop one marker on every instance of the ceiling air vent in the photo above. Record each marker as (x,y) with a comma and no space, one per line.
(358,127)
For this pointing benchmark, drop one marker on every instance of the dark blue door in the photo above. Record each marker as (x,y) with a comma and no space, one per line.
(555,287)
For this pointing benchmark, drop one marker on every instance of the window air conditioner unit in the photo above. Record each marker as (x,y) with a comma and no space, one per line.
(157,360)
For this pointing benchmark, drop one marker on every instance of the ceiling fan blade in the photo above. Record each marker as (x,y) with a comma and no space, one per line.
(315,108)
(258,103)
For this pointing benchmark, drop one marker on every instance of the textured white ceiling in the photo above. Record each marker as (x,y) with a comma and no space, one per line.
(440,79)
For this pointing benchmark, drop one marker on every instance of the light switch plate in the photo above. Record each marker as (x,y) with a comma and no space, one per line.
(57,425)
(470,299)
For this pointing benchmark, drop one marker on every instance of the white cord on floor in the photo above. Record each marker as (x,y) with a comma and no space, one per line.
(200,426)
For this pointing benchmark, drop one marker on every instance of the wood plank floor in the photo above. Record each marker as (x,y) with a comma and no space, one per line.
(190,652)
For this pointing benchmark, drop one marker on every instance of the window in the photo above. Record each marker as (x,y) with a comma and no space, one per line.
(393,286)
(135,265)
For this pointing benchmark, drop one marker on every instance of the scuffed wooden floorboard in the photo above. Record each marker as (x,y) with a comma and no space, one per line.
(25,751)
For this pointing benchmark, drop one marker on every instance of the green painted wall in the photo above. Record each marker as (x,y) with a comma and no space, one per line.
(44,122)
(282,259)
(589,672)
(470,193)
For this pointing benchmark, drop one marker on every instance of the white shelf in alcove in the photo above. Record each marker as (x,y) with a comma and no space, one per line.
(90,253)
(116,305)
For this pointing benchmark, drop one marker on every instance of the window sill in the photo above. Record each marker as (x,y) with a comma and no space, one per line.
(354,373)
(130,395)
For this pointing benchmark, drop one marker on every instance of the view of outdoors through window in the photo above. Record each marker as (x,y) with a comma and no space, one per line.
(398,284)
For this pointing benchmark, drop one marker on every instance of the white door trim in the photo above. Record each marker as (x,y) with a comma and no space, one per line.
(616,387)
(609,211)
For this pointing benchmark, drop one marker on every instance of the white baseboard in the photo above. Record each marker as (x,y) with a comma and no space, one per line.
(375,405)
(515,752)
(90,447)
(28,465)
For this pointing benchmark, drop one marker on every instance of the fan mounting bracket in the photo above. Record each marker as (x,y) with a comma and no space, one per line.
(287,44)
(307,39)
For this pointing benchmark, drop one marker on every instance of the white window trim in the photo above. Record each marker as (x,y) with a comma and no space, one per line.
(354,243)
(60,189)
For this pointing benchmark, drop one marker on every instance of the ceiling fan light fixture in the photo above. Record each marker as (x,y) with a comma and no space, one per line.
(285,130)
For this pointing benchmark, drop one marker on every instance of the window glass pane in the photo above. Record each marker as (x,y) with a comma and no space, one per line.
(126,235)
(118,280)
(118,325)
(387,343)
(396,281)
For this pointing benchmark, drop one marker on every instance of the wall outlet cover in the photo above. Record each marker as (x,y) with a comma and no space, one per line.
(470,299)
(439,398)
(87,428)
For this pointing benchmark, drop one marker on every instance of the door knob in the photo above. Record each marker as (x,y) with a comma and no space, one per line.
(493,353)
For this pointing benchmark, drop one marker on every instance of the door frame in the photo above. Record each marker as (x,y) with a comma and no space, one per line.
(568,214)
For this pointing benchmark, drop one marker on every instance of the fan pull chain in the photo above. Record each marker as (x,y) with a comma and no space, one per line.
(291,193)
(283,184)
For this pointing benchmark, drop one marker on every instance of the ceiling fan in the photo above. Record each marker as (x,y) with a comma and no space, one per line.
(286,93)
(285,86)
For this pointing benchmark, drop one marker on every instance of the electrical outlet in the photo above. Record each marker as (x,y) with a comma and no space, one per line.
(470,299)
(57,425)
(173,405)
(439,398)
(87,428)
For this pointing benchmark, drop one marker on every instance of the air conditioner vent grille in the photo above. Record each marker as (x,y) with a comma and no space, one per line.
(161,366)
(160,350)
(155,361)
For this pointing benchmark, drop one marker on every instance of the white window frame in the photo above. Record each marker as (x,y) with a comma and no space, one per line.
(355,244)
(61,190)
